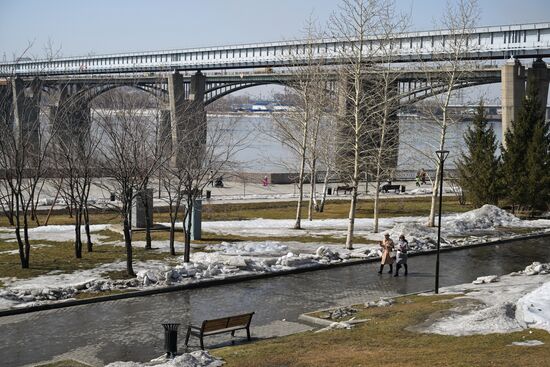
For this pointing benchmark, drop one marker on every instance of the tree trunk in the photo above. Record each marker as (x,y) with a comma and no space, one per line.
(89,242)
(172,236)
(128,245)
(324,196)
(435,185)
(53,203)
(351,217)
(298,222)
(312,199)
(187,231)
(78,234)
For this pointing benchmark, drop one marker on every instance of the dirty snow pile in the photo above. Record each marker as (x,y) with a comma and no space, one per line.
(205,265)
(486,217)
(250,249)
(54,286)
(504,304)
(457,229)
(198,358)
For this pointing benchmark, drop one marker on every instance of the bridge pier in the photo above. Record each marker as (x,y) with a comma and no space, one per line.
(371,136)
(513,91)
(540,74)
(71,117)
(514,81)
(26,114)
(187,118)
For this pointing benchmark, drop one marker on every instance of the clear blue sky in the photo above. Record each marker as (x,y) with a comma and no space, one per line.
(80,27)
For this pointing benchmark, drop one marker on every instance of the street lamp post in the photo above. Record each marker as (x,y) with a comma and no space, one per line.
(441,155)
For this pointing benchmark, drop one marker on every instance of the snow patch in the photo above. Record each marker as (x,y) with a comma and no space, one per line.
(198,358)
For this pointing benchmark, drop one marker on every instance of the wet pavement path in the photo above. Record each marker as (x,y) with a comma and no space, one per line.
(130,329)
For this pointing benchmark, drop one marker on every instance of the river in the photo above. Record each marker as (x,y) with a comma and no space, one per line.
(260,152)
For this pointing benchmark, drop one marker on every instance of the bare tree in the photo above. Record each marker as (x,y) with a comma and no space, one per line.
(383,134)
(126,155)
(299,128)
(24,143)
(449,56)
(204,151)
(74,159)
(353,24)
(327,150)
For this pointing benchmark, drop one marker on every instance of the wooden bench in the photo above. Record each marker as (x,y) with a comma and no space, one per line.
(220,326)
(390,187)
(345,189)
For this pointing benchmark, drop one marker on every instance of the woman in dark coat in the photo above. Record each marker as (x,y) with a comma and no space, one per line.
(402,250)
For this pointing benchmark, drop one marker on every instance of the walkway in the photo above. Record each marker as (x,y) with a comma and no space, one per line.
(130,329)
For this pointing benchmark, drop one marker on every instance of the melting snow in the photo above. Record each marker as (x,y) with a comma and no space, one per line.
(517,301)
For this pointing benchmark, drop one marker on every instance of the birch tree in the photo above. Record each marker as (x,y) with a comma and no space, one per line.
(383,134)
(459,20)
(299,129)
(353,25)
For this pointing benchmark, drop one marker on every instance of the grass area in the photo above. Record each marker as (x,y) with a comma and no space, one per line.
(66,363)
(389,207)
(385,341)
(59,256)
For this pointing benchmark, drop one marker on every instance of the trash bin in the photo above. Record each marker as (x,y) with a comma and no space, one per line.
(329,191)
(113,196)
(208,194)
(402,188)
(171,339)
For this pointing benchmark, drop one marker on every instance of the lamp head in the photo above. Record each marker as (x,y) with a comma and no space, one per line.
(442,154)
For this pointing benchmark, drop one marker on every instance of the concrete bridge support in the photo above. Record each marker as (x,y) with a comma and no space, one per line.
(372,129)
(514,80)
(513,91)
(540,74)
(26,115)
(188,118)
(71,117)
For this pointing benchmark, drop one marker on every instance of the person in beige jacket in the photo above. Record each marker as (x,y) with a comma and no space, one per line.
(387,248)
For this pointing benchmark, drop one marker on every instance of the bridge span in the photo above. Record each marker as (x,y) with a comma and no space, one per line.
(177,78)
(496,43)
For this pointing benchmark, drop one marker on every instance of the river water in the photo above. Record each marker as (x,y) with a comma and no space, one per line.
(131,329)
(418,140)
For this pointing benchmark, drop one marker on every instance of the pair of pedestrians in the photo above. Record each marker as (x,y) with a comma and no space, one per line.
(388,246)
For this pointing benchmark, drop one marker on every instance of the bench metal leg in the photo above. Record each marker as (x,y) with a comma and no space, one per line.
(233,333)
(202,344)
(248,333)
(188,335)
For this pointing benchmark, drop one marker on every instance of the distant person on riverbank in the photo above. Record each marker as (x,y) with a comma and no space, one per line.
(401,258)
(265,181)
(423,176)
(211,179)
(417,179)
(387,248)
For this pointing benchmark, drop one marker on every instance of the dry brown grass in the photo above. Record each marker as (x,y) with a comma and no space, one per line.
(383,341)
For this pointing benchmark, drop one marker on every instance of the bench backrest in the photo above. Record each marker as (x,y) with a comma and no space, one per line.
(227,322)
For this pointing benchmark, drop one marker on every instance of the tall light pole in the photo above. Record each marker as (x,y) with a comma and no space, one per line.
(441,155)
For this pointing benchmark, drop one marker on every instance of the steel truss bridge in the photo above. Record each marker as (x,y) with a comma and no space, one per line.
(497,43)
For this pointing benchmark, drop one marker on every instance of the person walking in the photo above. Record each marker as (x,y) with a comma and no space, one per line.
(401,258)
(387,248)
